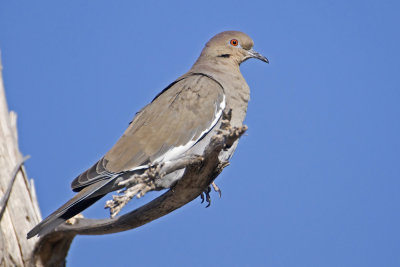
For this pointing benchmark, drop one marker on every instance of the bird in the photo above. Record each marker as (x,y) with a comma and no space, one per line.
(179,121)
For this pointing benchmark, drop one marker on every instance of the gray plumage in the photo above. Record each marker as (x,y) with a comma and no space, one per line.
(179,121)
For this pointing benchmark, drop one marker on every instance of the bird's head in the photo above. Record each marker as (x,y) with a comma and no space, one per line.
(233,46)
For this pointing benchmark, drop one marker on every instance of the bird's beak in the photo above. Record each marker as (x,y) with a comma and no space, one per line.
(254,54)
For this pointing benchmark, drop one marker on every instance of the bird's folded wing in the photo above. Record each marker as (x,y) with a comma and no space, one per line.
(165,129)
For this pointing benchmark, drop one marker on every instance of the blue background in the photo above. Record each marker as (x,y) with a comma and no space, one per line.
(314,183)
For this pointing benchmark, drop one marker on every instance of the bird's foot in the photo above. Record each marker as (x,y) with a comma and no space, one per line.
(205,195)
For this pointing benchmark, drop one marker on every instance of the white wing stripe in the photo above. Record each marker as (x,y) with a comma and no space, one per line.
(179,150)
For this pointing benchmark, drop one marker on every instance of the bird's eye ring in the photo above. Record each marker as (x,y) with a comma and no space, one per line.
(234,42)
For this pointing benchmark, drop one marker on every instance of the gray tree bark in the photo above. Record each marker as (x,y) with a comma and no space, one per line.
(21,211)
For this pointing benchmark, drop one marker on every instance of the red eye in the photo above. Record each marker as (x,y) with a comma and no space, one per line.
(234,42)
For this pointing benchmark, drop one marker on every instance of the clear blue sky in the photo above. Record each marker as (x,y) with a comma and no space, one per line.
(314,183)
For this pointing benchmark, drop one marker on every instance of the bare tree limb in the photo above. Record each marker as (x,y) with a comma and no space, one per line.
(19,208)
(139,184)
(4,199)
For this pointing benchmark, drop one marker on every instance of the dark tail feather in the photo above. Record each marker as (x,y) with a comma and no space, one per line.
(78,203)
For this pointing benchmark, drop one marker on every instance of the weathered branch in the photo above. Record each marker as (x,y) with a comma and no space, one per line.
(6,196)
(199,174)
(139,184)
(19,207)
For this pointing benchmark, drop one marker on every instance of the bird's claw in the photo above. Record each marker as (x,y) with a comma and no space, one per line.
(205,195)
(208,198)
(216,189)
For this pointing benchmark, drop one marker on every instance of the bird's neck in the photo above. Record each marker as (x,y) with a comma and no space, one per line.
(229,76)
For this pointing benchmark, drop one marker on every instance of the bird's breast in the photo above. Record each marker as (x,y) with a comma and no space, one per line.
(237,97)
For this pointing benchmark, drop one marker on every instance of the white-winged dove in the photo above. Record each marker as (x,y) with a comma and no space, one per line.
(179,121)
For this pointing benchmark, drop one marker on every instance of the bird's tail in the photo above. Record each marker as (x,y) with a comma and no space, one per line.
(85,198)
